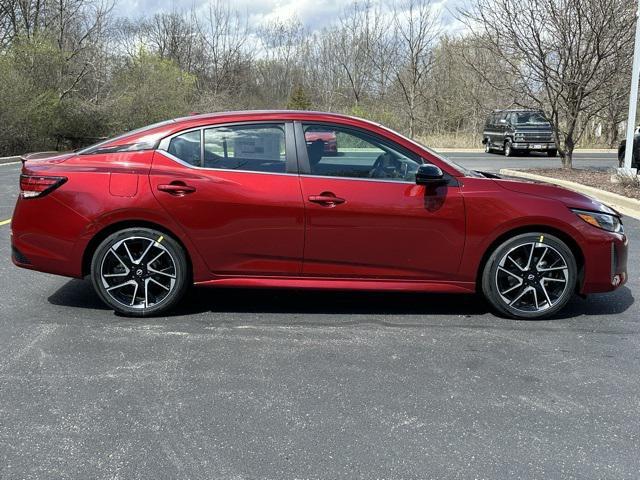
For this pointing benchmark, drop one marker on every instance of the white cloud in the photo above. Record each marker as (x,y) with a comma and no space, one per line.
(314,14)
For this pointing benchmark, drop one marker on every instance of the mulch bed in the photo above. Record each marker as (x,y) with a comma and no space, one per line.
(591,177)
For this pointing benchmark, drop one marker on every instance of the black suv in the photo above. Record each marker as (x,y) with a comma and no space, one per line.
(515,131)
(636,150)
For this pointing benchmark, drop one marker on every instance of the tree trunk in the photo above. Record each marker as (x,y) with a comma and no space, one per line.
(567,153)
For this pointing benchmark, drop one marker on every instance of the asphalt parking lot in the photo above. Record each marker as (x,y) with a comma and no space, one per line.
(495,161)
(286,384)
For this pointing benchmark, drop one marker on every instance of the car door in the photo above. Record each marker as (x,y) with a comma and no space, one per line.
(234,190)
(366,217)
(501,128)
(490,128)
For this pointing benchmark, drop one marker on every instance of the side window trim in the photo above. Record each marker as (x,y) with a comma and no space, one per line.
(303,158)
(304,167)
(201,148)
(291,163)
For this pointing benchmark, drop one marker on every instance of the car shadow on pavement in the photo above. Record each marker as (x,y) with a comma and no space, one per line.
(80,294)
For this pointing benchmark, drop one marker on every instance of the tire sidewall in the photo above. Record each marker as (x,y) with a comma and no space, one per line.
(489,287)
(174,248)
(508,150)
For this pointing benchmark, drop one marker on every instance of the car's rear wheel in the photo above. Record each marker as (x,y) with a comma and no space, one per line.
(621,155)
(140,271)
(532,275)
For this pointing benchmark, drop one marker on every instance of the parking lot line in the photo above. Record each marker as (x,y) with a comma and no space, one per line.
(5,222)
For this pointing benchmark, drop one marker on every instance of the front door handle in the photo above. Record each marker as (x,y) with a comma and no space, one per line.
(177,188)
(326,199)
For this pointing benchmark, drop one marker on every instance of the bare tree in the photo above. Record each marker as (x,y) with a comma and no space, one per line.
(173,36)
(416,28)
(224,33)
(561,53)
(350,48)
(279,67)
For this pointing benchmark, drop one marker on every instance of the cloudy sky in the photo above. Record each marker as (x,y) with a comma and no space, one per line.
(314,14)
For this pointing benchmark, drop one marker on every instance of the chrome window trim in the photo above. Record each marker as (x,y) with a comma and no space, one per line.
(381,180)
(455,182)
(163,145)
(211,169)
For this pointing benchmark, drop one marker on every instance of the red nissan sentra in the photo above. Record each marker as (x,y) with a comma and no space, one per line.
(242,199)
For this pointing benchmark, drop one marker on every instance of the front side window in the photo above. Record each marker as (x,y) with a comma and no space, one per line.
(336,151)
(256,148)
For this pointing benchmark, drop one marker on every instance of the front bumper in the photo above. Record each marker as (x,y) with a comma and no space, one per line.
(534,146)
(606,265)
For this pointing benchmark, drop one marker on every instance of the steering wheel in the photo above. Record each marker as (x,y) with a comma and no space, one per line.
(385,166)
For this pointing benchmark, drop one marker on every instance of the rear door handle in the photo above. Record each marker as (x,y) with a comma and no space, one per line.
(326,199)
(177,188)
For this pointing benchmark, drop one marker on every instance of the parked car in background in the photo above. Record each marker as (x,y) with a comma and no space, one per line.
(636,150)
(240,199)
(518,131)
(328,138)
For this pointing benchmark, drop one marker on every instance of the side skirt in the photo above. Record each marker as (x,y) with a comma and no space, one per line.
(341,284)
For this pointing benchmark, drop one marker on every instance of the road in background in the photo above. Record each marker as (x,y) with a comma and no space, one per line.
(493,162)
(297,384)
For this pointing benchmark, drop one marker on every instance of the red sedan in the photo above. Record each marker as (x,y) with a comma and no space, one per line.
(241,199)
(328,138)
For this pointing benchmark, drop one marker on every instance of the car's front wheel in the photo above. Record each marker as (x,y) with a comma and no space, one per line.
(532,275)
(508,149)
(140,271)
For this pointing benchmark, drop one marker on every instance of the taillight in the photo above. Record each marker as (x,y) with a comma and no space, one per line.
(32,186)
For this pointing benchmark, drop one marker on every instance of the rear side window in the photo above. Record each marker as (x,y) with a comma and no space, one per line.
(491,120)
(186,147)
(255,148)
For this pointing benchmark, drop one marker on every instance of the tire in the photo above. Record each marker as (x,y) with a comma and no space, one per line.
(518,290)
(140,272)
(621,154)
(508,150)
(487,146)
(552,153)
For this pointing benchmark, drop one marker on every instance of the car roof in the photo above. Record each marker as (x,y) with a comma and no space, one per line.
(523,110)
(152,134)
(163,129)
(284,114)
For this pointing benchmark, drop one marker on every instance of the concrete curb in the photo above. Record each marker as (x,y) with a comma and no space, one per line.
(481,150)
(625,205)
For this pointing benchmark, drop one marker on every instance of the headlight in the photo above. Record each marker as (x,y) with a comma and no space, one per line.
(519,137)
(605,221)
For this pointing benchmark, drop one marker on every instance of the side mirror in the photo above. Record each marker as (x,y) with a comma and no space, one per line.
(428,174)
(502,121)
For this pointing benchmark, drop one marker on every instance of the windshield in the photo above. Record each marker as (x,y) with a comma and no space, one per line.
(467,172)
(530,118)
